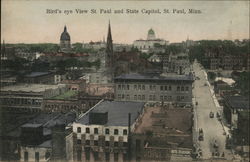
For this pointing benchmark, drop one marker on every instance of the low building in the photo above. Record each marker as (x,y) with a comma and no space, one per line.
(28,97)
(154,88)
(101,134)
(76,85)
(233,105)
(39,78)
(178,63)
(43,138)
(164,134)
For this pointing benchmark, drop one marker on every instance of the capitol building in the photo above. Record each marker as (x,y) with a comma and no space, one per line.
(149,43)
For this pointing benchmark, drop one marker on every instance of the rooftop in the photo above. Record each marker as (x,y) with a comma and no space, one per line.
(31,87)
(238,102)
(154,77)
(66,95)
(117,112)
(37,74)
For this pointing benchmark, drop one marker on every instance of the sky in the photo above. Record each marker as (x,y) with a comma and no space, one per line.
(27,21)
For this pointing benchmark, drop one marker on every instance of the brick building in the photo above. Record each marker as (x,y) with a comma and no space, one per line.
(154,88)
(102,133)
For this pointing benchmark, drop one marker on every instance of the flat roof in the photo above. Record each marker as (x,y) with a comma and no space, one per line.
(238,102)
(117,112)
(37,74)
(154,77)
(31,87)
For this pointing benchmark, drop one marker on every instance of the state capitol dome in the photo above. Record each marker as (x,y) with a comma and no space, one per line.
(151,34)
(65,35)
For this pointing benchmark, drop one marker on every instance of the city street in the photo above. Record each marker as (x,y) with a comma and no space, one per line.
(212,127)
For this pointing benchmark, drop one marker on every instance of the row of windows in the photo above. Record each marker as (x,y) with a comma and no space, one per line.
(107,143)
(107,131)
(152,97)
(182,88)
(96,156)
(152,87)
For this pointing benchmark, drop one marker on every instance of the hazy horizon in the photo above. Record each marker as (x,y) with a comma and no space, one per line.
(27,21)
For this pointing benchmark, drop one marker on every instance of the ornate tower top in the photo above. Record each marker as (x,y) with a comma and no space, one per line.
(151,34)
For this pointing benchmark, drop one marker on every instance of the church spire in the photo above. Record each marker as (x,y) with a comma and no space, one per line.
(109,49)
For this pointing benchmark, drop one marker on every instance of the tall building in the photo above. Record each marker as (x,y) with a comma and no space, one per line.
(65,41)
(102,133)
(109,50)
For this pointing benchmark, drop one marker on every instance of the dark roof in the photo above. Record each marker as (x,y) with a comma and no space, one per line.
(36,74)
(65,35)
(117,112)
(237,102)
(154,77)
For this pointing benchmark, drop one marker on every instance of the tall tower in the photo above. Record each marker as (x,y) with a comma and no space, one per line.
(65,40)
(109,49)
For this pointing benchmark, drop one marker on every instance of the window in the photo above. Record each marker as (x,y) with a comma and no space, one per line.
(107,156)
(125,144)
(106,131)
(161,88)
(78,129)
(119,87)
(116,132)
(182,88)
(119,96)
(186,88)
(26,156)
(139,87)
(139,97)
(116,156)
(122,96)
(79,141)
(178,88)
(128,97)
(150,97)
(96,156)
(143,97)
(125,131)
(165,98)
(143,87)
(123,87)
(106,143)
(135,87)
(87,154)
(127,87)
(154,97)
(135,97)
(166,88)
(37,157)
(161,98)
(182,97)
(79,155)
(150,87)
(116,144)
(178,98)
(96,131)
(96,143)
(87,130)
(87,142)
(47,155)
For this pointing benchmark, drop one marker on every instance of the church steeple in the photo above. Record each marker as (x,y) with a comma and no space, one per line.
(109,48)
(109,40)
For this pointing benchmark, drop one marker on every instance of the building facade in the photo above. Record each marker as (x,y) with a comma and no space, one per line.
(154,88)
(101,134)
(149,43)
